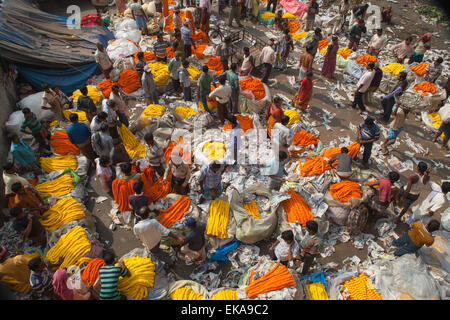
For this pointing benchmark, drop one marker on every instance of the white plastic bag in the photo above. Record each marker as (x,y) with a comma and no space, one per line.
(33,102)
(121,48)
(444,113)
(133,35)
(438,254)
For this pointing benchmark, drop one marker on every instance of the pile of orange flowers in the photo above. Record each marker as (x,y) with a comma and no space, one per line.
(353,150)
(425,87)
(255,86)
(345,190)
(420,69)
(175,212)
(363,60)
(276,279)
(293,26)
(245,121)
(313,166)
(61,144)
(297,209)
(90,274)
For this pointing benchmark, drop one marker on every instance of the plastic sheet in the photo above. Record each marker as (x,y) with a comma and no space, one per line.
(121,48)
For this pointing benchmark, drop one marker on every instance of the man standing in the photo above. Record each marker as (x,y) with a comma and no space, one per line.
(368,133)
(102,142)
(204,87)
(194,243)
(388,100)
(174,66)
(310,245)
(120,106)
(103,61)
(234,13)
(311,12)
(186,35)
(225,52)
(210,180)
(98,121)
(418,236)
(222,95)
(185,81)
(86,104)
(362,86)
(377,43)
(248,63)
(149,86)
(312,40)
(275,170)
(109,107)
(233,81)
(395,127)
(306,62)
(80,135)
(159,48)
(36,129)
(267,58)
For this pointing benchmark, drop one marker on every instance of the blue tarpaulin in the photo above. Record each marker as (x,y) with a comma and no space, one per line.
(68,80)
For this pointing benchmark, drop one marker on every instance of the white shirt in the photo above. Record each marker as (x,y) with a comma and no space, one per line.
(365,80)
(282,249)
(267,55)
(433,202)
(283,134)
(377,42)
(184,77)
(95,125)
(103,60)
(10,178)
(120,104)
(149,231)
(222,94)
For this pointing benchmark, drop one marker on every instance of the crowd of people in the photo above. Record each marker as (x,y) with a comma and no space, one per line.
(99,141)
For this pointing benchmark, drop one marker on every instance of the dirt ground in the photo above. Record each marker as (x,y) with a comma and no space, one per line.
(122,240)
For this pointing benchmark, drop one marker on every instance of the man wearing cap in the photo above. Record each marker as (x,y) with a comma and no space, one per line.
(226,51)
(149,86)
(180,174)
(267,59)
(210,180)
(194,244)
(368,133)
(79,134)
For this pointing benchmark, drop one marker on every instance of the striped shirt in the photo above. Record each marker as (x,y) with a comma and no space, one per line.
(312,244)
(109,278)
(212,179)
(33,124)
(160,48)
(369,134)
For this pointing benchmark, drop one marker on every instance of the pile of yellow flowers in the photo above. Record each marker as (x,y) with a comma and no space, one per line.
(345,52)
(219,215)
(72,246)
(225,295)
(194,73)
(15,285)
(64,211)
(293,115)
(83,260)
(394,68)
(361,288)
(185,111)
(142,275)
(214,150)
(160,72)
(95,94)
(316,291)
(288,15)
(134,148)
(436,121)
(299,35)
(81,115)
(58,187)
(267,15)
(58,163)
(185,294)
(252,208)
(153,110)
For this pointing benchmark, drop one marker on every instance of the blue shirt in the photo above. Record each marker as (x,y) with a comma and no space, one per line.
(369,134)
(78,133)
(23,153)
(212,179)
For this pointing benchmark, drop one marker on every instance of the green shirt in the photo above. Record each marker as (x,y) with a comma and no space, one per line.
(233,79)
(204,82)
(109,278)
(33,124)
